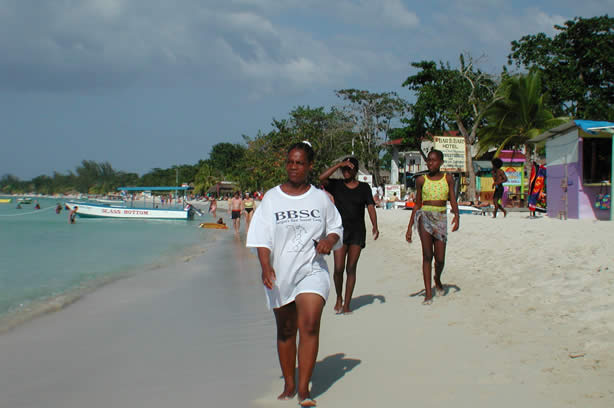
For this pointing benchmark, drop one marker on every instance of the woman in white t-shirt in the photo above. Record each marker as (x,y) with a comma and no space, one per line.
(292,229)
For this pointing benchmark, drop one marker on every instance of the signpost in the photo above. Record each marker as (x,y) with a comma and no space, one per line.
(453,149)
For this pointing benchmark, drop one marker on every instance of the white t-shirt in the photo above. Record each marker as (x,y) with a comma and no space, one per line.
(287,225)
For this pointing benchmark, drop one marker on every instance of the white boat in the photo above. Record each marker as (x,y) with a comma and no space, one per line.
(24,200)
(109,201)
(125,211)
(91,210)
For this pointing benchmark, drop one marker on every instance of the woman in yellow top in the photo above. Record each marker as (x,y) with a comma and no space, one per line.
(429,215)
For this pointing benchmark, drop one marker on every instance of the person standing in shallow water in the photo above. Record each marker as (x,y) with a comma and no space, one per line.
(351,197)
(429,214)
(292,228)
(72,215)
(498,177)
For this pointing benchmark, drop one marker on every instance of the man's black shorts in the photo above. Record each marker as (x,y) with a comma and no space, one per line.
(354,236)
(236,214)
(498,192)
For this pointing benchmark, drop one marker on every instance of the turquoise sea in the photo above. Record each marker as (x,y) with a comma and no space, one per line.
(45,262)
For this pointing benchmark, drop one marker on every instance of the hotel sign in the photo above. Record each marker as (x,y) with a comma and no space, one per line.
(453,149)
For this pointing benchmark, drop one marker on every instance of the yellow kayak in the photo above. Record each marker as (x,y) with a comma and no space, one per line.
(5,200)
(213,225)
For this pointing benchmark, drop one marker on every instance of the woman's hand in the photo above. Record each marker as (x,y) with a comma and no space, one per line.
(268,277)
(455,222)
(408,234)
(325,245)
(375,232)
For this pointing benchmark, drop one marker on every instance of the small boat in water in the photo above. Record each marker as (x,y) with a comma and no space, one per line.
(5,200)
(24,200)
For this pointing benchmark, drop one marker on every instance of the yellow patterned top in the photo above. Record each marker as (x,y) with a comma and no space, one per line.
(435,190)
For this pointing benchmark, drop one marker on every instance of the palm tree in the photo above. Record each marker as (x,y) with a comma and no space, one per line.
(518,116)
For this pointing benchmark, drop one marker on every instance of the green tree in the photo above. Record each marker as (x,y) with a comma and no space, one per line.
(10,184)
(226,158)
(329,132)
(373,115)
(204,178)
(265,158)
(450,99)
(518,115)
(576,65)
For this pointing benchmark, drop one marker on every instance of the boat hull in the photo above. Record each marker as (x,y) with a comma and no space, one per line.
(5,200)
(89,210)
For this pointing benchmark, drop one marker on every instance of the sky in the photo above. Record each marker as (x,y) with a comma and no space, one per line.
(148,84)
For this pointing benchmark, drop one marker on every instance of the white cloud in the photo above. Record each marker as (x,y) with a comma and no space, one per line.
(382,13)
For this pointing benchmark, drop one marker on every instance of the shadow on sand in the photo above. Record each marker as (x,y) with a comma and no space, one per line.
(365,300)
(447,288)
(329,371)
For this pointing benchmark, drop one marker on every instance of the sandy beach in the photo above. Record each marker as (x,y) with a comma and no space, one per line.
(528,318)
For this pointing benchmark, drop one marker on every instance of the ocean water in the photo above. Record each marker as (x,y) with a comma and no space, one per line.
(46,263)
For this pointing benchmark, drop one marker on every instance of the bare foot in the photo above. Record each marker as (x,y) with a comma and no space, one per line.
(346,310)
(288,393)
(428,301)
(306,401)
(338,306)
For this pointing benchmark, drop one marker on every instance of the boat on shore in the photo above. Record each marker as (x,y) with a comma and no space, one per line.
(129,211)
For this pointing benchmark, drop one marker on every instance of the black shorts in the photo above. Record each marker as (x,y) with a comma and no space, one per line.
(498,192)
(354,236)
(236,214)
(249,210)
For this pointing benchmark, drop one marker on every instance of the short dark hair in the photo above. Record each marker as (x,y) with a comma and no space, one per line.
(497,163)
(306,147)
(352,160)
(438,153)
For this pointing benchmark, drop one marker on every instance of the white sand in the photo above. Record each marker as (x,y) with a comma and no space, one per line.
(524,297)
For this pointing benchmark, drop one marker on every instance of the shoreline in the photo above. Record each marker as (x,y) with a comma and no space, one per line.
(172,334)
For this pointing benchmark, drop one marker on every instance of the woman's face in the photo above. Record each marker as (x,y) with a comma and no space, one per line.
(433,162)
(297,166)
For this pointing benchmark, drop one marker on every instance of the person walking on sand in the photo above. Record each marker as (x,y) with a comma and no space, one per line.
(499,178)
(292,228)
(351,197)
(429,215)
(236,208)
(248,204)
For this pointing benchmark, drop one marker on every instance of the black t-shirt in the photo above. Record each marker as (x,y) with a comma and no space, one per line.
(350,202)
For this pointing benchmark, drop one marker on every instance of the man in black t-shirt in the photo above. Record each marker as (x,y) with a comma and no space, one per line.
(351,197)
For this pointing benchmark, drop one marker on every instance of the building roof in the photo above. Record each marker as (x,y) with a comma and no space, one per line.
(589,126)
(512,155)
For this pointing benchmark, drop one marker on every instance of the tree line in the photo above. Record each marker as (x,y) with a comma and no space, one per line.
(547,81)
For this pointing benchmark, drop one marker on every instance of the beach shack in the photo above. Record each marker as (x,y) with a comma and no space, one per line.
(580,169)
(514,188)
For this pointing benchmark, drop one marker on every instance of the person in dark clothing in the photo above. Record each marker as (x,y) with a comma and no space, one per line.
(499,178)
(351,197)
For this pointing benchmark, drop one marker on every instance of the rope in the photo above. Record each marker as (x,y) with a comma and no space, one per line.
(27,213)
